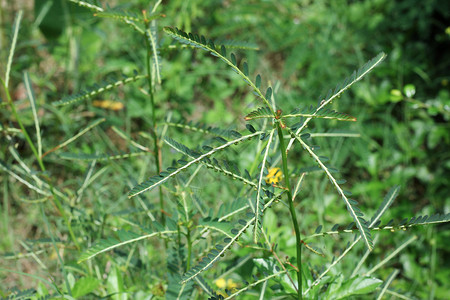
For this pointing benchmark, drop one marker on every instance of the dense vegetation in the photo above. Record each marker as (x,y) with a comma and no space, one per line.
(139,161)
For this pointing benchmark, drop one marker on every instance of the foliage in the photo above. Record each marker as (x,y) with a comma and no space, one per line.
(178,189)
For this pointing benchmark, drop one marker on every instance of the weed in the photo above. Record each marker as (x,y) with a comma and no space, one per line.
(220,202)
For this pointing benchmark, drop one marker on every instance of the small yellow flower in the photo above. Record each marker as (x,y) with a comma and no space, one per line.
(108,104)
(221,283)
(274,176)
(231,284)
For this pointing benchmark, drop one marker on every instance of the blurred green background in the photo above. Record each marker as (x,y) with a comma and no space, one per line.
(305,48)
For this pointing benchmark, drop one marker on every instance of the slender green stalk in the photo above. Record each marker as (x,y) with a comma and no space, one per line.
(189,244)
(292,211)
(156,149)
(19,121)
(188,230)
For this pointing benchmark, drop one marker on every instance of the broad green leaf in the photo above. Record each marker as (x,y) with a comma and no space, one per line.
(355,286)
(115,285)
(84,286)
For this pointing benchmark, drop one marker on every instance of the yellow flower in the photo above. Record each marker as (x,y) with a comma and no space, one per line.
(108,104)
(229,284)
(221,283)
(274,176)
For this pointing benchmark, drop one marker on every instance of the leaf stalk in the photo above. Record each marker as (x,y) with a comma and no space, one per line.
(156,149)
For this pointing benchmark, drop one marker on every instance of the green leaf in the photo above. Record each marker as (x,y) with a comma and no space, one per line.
(122,15)
(250,128)
(155,181)
(269,93)
(176,264)
(222,227)
(231,44)
(115,286)
(312,112)
(90,4)
(85,156)
(130,18)
(124,238)
(16,28)
(261,181)
(96,89)
(84,286)
(223,50)
(209,46)
(231,208)
(269,266)
(152,39)
(245,69)
(340,88)
(351,204)
(215,254)
(388,199)
(356,286)
(198,127)
(260,113)
(258,81)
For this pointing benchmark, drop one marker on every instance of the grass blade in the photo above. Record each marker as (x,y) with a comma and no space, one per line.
(16,28)
(31,97)
(72,139)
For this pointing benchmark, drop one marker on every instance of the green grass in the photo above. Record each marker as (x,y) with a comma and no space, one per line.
(70,225)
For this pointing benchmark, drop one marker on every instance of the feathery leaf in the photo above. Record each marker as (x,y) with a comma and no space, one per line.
(208,261)
(93,5)
(347,83)
(152,39)
(352,207)
(124,238)
(85,156)
(388,199)
(311,112)
(95,90)
(259,113)
(258,191)
(155,181)
(225,133)
(209,46)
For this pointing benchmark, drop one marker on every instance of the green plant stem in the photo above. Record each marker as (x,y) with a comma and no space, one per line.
(55,197)
(189,244)
(156,150)
(292,211)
